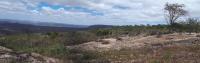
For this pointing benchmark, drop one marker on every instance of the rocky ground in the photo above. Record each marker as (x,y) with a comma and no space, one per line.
(9,56)
(132,42)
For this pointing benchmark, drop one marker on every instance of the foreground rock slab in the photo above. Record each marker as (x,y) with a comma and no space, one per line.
(9,56)
(131,42)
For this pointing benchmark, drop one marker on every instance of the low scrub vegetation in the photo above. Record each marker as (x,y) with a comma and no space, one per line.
(54,44)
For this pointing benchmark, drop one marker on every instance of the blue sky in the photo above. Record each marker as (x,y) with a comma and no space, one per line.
(90,12)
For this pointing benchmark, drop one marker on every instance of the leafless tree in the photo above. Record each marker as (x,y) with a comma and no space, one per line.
(174,12)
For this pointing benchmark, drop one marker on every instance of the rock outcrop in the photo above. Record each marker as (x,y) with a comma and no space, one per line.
(131,42)
(9,56)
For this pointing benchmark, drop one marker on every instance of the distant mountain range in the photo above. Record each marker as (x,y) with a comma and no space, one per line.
(43,23)
(17,26)
(99,26)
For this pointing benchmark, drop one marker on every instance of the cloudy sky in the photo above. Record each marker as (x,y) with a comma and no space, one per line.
(88,12)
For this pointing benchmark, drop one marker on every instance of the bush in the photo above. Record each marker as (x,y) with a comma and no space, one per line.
(197,35)
(105,42)
(80,37)
(159,35)
(103,32)
(52,34)
(35,43)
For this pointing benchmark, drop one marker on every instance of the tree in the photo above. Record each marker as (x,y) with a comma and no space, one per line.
(174,12)
(192,24)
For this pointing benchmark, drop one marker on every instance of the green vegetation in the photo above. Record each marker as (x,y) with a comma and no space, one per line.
(79,37)
(35,43)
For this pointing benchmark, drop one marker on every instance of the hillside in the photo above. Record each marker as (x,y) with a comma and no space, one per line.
(8,27)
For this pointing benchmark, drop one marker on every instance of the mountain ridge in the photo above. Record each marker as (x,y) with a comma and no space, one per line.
(50,24)
(8,27)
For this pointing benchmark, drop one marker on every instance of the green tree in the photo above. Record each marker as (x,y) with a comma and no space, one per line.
(192,24)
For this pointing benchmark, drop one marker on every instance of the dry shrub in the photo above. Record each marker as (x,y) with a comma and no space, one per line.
(169,38)
(119,38)
(105,42)
(75,38)
(159,35)
(197,35)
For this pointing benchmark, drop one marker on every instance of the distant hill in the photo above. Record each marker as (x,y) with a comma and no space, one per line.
(100,26)
(14,27)
(50,24)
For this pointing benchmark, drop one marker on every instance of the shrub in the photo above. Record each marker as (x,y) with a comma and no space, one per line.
(80,37)
(103,32)
(105,42)
(197,35)
(35,43)
(52,34)
(159,35)
(119,38)
(153,32)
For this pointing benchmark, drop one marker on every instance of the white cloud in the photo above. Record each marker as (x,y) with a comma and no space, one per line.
(9,6)
(114,11)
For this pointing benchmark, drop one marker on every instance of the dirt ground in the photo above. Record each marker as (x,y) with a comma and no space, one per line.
(132,42)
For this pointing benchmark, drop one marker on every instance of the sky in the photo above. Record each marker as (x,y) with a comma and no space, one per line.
(90,12)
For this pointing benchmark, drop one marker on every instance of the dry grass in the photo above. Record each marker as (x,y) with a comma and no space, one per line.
(184,51)
(171,54)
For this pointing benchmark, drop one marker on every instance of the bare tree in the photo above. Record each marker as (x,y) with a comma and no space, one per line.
(174,12)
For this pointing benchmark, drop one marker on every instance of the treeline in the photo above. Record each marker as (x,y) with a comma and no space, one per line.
(190,25)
